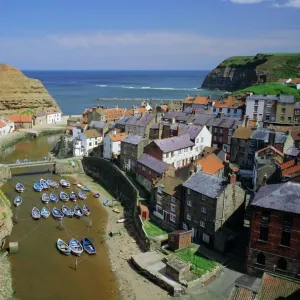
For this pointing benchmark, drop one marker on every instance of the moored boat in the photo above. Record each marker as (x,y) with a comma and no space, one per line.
(84,188)
(18,161)
(44,184)
(65,183)
(45,198)
(117,210)
(53,198)
(75,247)
(67,211)
(81,195)
(63,247)
(37,187)
(86,211)
(64,196)
(73,196)
(18,200)
(96,195)
(106,202)
(57,213)
(20,187)
(78,211)
(35,213)
(52,183)
(88,246)
(45,212)
(122,220)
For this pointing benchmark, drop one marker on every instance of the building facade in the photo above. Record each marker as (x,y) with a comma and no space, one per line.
(53,117)
(112,145)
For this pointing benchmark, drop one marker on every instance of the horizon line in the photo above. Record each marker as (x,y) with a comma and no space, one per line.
(113,70)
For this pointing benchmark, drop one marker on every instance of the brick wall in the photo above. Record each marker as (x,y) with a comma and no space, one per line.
(154,151)
(179,241)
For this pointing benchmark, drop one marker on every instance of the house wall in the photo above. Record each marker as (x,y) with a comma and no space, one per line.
(77,148)
(154,151)
(179,241)
(129,155)
(53,118)
(39,120)
(288,115)
(95,116)
(107,147)
(298,86)
(230,112)
(220,137)
(250,112)
(5,129)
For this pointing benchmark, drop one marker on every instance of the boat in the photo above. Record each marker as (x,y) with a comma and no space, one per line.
(84,188)
(44,184)
(18,161)
(86,211)
(81,195)
(20,187)
(57,213)
(45,198)
(88,246)
(117,210)
(52,183)
(18,200)
(65,183)
(45,212)
(37,187)
(78,211)
(97,195)
(63,196)
(35,213)
(67,211)
(75,247)
(73,196)
(53,198)
(122,220)
(63,247)
(26,160)
(106,202)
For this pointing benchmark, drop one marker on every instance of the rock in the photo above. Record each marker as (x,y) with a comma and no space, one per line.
(63,148)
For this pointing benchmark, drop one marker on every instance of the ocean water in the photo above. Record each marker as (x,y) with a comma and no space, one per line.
(76,90)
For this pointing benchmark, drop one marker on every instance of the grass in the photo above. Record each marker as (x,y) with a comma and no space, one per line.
(153,230)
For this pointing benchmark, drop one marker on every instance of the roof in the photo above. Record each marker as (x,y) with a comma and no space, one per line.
(204,119)
(177,115)
(293,151)
(229,103)
(200,100)
(211,164)
(174,143)
(242,133)
(295,81)
(20,118)
(227,122)
(40,114)
(91,133)
(252,123)
(177,263)
(172,186)
(164,107)
(242,293)
(139,110)
(115,113)
(192,130)
(296,133)
(132,139)
(122,121)
(281,196)
(117,137)
(286,99)
(294,170)
(273,149)
(180,232)
(152,163)
(283,80)
(205,184)
(69,127)
(288,164)
(2,124)
(97,124)
(263,135)
(280,98)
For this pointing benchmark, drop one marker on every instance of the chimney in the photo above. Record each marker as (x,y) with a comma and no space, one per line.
(173,121)
(272,135)
(114,131)
(209,97)
(232,178)
(246,121)
(94,108)
(193,111)
(265,178)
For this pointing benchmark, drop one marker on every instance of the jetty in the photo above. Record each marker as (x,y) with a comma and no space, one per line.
(140,99)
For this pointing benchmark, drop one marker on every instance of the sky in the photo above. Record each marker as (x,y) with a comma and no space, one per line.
(143,34)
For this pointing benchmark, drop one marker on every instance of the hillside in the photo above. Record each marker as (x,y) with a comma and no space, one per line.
(239,72)
(20,94)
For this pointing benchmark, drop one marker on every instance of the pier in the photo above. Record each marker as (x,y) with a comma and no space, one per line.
(140,99)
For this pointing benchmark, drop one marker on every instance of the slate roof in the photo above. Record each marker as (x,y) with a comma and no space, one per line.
(174,143)
(152,163)
(242,133)
(145,119)
(92,133)
(208,185)
(177,115)
(204,119)
(264,136)
(123,121)
(227,122)
(172,186)
(281,196)
(192,130)
(286,99)
(292,151)
(40,114)
(97,124)
(133,120)
(262,97)
(132,139)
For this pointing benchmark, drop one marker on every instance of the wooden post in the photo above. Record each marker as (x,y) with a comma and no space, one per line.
(76,262)
(90,226)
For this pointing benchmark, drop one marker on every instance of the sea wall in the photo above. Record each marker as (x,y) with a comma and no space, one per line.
(68,166)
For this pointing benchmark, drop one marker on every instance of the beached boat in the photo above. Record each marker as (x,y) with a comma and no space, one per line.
(57,213)
(45,212)
(63,196)
(96,195)
(45,198)
(44,184)
(18,200)
(18,161)
(117,210)
(88,246)
(26,160)
(67,211)
(37,187)
(81,195)
(63,247)
(122,220)
(53,198)
(86,211)
(84,188)
(73,196)
(78,211)
(106,202)
(52,183)
(20,187)
(75,247)
(35,213)
(65,183)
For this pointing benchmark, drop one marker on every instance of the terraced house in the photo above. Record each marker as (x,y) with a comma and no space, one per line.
(229,107)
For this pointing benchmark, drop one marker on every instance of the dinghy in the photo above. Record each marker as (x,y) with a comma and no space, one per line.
(67,211)
(81,195)
(73,196)
(53,198)
(35,213)
(63,247)
(88,246)
(122,220)
(52,183)
(37,187)
(64,196)
(84,188)
(18,161)
(45,212)
(78,211)
(65,183)
(106,202)
(20,187)
(117,210)
(18,200)
(86,211)
(44,184)
(57,213)
(45,198)
(97,195)
(26,160)
(75,247)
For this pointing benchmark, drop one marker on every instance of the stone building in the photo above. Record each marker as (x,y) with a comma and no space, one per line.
(179,239)
(40,118)
(178,269)
(21,121)
(100,126)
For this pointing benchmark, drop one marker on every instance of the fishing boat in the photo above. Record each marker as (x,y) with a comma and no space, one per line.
(35,213)
(57,213)
(81,195)
(37,187)
(75,247)
(45,198)
(44,184)
(65,183)
(63,247)
(26,160)
(20,187)
(88,246)
(106,202)
(84,188)
(67,211)
(64,196)
(78,211)
(86,211)
(97,195)
(122,220)
(52,183)
(117,210)
(53,198)
(18,200)
(45,212)
(73,196)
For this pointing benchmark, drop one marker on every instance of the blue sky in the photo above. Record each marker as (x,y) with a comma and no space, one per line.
(140,34)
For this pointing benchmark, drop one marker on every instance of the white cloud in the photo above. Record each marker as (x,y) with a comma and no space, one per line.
(246,1)
(289,3)
(276,3)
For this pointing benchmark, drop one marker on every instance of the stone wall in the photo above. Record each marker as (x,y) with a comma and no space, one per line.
(68,166)
(5,173)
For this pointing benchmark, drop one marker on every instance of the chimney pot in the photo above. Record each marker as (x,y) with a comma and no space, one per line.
(232,178)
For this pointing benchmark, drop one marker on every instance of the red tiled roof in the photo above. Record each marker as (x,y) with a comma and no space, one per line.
(140,110)
(287,164)
(283,80)
(295,81)
(273,149)
(69,127)
(2,124)
(118,137)
(196,100)
(20,118)
(211,164)
(242,293)
(292,170)
(229,103)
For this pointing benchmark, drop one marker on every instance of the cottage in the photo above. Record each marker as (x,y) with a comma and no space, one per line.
(99,113)
(75,120)
(53,117)
(211,164)
(77,129)
(40,118)
(21,121)
(179,239)
(198,102)
(230,107)
(6,127)
(100,126)
(112,145)
(85,142)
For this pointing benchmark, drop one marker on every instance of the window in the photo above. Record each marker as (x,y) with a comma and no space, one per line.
(281,264)
(143,168)
(202,224)
(189,203)
(288,220)
(149,172)
(255,109)
(266,216)
(255,116)
(184,226)
(188,217)
(173,207)
(168,155)
(264,233)
(179,151)
(215,138)
(90,143)
(172,217)
(221,139)
(228,110)
(260,259)
(282,118)
(256,102)
(96,143)
(202,139)
(285,238)
(214,110)
(205,238)
(197,141)
(159,209)
(235,111)
(158,199)
(230,131)
(290,118)
(215,130)
(173,199)
(203,209)
(188,191)
(172,154)
(221,131)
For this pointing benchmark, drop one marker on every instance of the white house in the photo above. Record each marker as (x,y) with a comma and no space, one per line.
(230,107)
(112,144)
(6,127)
(77,129)
(78,149)
(86,141)
(53,117)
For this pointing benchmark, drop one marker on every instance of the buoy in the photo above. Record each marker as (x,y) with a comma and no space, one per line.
(13,247)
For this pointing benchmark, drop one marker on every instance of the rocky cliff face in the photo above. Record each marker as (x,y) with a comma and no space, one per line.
(18,93)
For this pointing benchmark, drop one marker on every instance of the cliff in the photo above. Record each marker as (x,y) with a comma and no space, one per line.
(239,72)
(21,94)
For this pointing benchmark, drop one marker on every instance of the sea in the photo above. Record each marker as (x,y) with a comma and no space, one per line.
(75,91)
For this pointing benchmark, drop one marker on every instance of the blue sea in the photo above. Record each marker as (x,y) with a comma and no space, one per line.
(76,90)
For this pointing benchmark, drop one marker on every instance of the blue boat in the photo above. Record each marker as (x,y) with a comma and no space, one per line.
(37,187)
(45,198)
(44,184)
(18,161)
(35,213)
(78,211)
(73,196)
(20,187)
(64,196)
(57,213)
(65,183)
(106,202)
(88,246)
(45,212)
(76,247)
(26,160)
(53,198)
(52,183)
(67,211)
(81,195)
(18,200)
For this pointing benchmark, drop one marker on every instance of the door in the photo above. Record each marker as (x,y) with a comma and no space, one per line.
(205,238)
(166,216)
(144,215)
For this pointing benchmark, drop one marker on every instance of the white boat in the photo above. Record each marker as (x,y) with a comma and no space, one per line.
(76,247)
(63,247)
(65,183)
(45,213)
(18,200)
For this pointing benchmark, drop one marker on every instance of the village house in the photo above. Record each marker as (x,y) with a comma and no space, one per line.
(150,169)
(53,117)
(121,124)
(211,164)
(198,102)
(140,124)
(100,126)
(275,231)
(112,144)
(229,107)
(85,142)
(285,109)
(77,129)
(211,207)
(21,121)
(40,118)
(74,120)
(179,239)
(297,112)
(100,113)
(178,117)
(145,107)
(6,127)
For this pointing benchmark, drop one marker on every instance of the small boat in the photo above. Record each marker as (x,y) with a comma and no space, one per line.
(88,246)
(73,196)
(53,198)
(75,247)
(117,210)
(63,196)
(35,213)
(45,212)
(45,198)
(97,195)
(86,211)
(122,220)
(63,247)
(26,160)
(78,211)
(52,183)
(82,195)
(20,187)
(18,161)
(106,202)
(84,188)
(44,184)
(18,200)
(67,211)
(57,213)
(37,187)
(65,183)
